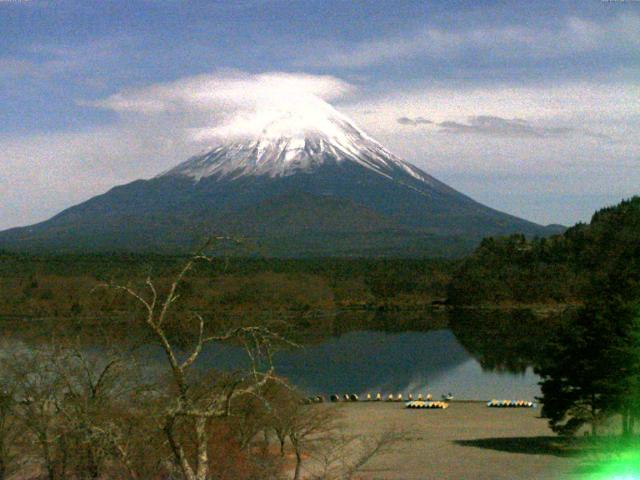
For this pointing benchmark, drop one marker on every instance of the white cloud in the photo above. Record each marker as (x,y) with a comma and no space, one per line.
(556,147)
(511,42)
(584,104)
(414,122)
(227,90)
(512,127)
(12,68)
(229,104)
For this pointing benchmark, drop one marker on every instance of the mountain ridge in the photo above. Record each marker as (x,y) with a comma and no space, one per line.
(299,177)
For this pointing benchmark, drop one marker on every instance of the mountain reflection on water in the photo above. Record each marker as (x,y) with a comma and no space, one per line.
(482,356)
(474,354)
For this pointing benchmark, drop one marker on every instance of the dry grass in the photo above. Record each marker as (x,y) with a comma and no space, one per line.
(466,441)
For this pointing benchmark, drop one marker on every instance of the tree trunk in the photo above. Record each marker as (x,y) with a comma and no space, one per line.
(92,464)
(296,475)
(282,447)
(4,455)
(265,442)
(625,422)
(178,451)
(48,461)
(202,447)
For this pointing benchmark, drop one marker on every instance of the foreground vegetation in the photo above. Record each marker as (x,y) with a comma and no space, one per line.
(75,411)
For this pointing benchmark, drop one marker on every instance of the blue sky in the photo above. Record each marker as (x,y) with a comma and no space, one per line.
(530,107)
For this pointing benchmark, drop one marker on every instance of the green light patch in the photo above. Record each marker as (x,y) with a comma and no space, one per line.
(612,465)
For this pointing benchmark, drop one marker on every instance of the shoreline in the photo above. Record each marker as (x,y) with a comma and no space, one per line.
(466,441)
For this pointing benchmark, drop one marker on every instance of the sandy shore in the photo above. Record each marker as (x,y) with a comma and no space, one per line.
(465,441)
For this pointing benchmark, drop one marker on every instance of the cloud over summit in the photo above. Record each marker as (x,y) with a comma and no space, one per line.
(226,90)
(227,104)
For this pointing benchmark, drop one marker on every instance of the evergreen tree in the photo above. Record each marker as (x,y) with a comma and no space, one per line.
(628,395)
(579,380)
(591,370)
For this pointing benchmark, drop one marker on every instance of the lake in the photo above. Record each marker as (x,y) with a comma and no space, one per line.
(474,354)
(373,361)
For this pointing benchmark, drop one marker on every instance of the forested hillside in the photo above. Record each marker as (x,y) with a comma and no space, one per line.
(64,285)
(560,269)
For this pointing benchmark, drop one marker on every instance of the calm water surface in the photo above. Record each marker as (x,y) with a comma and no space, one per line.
(372,361)
(480,356)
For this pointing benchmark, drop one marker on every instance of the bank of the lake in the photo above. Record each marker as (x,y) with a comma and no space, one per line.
(466,441)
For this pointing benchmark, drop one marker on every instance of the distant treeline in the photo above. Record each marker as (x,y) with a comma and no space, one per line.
(64,285)
(507,271)
(560,269)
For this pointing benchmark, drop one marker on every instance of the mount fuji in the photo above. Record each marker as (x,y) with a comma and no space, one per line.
(305,181)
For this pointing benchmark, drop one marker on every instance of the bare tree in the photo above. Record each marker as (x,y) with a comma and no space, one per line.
(310,426)
(75,411)
(284,408)
(38,395)
(99,392)
(192,406)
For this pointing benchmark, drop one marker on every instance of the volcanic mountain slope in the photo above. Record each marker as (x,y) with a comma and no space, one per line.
(310,183)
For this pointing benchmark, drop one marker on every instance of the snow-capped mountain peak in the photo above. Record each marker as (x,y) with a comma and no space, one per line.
(286,142)
(302,179)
